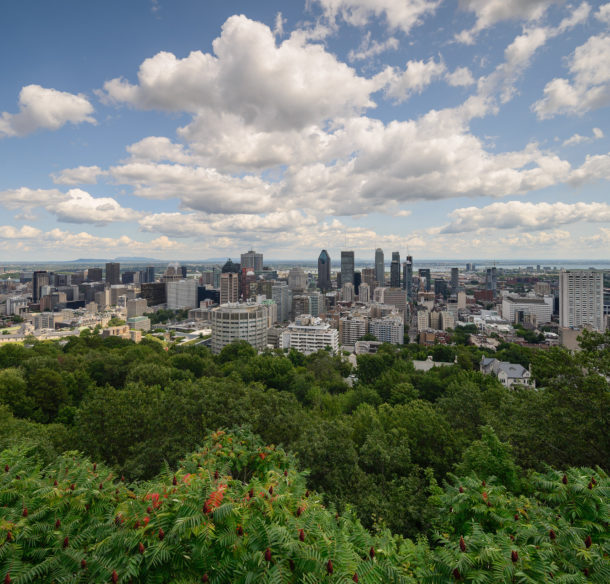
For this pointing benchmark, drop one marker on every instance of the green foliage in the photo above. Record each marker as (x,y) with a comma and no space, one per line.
(235,511)
(488,457)
(376,442)
(556,533)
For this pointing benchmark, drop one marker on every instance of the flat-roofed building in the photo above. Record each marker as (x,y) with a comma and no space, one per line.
(232,322)
(140,323)
(541,308)
(181,294)
(351,329)
(388,330)
(308,335)
(581,299)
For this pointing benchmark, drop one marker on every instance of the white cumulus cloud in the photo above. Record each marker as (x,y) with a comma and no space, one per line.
(265,85)
(490,12)
(398,14)
(417,75)
(75,206)
(42,108)
(525,215)
(589,88)
(578,139)
(78,176)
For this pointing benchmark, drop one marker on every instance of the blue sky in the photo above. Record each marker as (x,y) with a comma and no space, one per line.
(193,129)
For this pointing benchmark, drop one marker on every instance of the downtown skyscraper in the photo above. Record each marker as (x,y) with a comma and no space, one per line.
(379,267)
(395,270)
(324,271)
(347,267)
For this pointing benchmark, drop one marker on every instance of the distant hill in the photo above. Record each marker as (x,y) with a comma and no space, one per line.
(119,259)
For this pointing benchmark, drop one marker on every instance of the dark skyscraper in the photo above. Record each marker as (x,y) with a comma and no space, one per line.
(407,277)
(150,274)
(324,271)
(491,279)
(395,270)
(39,279)
(379,267)
(440,286)
(347,267)
(113,273)
(94,275)
(455,280)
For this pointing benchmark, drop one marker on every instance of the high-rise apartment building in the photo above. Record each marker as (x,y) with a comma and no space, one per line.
(252,260)
(113,273)
(348,293)
(395,270)
(246,322)
(389,329)
(282,296)
(40,278)
(581,299)
(364,293)
(352,329)
(379,267)
(347,267)
(324,271)
(317,304)
(229,287)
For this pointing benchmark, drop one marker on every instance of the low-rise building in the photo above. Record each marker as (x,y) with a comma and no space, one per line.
(141,323)
(308,335)
(508,374)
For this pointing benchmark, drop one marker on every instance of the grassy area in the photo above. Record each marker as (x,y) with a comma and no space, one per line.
(9,330)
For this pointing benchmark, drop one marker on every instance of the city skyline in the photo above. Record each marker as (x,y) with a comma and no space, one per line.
(470,130)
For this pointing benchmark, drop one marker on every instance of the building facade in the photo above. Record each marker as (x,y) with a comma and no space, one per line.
(407,278)
(379,267)
(113,273)
(309,335)
(231,322)
(324,271)
(229,287)
(541,308)
(181,294)
(387,330)
(347,267)
(581,299)
(395,270)
(252,260)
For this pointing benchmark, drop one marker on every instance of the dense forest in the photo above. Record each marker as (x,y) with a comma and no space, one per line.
(444,473)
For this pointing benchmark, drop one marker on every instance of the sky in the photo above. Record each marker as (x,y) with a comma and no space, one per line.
(191,129)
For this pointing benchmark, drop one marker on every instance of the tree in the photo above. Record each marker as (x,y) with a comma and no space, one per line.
(488,457)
